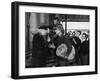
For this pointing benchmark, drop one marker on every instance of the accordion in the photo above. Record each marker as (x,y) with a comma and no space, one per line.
(62,49)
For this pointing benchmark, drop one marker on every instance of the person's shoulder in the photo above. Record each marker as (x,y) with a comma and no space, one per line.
(37,36)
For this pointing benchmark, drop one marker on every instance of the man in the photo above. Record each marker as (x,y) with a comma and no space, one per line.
(76,40)
(84,49)
(40,47)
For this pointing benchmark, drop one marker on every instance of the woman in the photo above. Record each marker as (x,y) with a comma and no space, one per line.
(65,52)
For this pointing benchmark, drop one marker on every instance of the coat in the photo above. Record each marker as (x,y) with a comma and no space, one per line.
(60,41)
(39,51)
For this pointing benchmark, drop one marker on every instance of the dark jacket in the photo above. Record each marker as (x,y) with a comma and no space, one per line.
(76,42)
(58,41)
(84,48)
(39,51)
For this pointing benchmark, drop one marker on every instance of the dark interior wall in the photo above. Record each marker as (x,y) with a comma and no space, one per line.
(27,27)
(32,22)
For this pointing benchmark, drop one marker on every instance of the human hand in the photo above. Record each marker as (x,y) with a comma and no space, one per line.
(52,46)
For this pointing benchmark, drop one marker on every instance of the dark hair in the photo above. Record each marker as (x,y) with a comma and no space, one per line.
(56,18)
(60,27)
(73,32)
(79,32)
(85,35)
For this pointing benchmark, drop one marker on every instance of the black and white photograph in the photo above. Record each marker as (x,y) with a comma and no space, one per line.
(55,40)
(51,40)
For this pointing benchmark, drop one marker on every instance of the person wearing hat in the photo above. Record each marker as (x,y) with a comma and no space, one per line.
(40,47)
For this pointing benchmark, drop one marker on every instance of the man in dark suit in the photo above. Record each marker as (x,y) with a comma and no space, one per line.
(84,50)
(40,48)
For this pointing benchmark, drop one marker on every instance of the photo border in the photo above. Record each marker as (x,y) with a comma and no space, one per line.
(15,39)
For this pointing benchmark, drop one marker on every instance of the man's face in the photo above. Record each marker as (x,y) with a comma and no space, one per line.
(83,37)
(70,33)
(77,34)
(55,21)
(43,31)
(73,34)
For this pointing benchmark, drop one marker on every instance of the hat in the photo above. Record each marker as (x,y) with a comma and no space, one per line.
(45,27)
(55,18)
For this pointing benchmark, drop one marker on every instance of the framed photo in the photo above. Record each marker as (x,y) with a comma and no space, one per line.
(51,40)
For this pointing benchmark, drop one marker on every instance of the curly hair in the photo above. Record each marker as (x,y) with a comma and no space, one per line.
(60,27)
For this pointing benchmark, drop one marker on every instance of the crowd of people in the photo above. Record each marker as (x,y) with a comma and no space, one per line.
(80,40)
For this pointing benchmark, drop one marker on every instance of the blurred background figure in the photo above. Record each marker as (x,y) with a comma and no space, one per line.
(78,34)
(84,49)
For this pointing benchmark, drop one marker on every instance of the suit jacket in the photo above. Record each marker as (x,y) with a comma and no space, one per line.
(39,51)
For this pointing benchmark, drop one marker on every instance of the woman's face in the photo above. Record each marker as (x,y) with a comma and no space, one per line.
(73,34)
(58,32)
